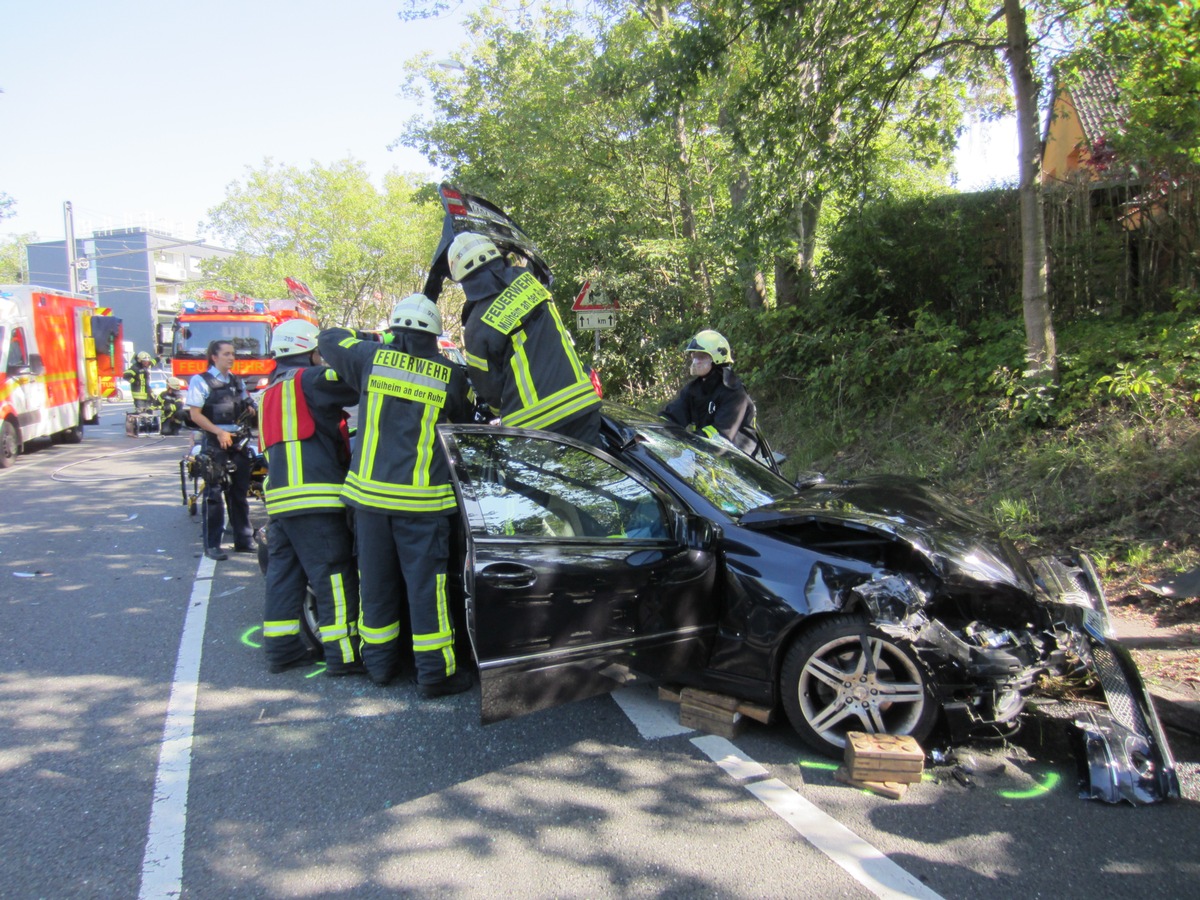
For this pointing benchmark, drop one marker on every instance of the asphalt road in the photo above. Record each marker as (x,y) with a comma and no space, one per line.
(297,785)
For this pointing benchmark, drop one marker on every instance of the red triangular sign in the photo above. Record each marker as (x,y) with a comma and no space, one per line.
(582,303)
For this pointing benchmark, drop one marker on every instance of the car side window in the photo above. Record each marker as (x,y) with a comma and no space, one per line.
(532,487)
(16,350)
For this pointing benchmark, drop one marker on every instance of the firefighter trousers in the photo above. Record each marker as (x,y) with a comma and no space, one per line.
(403,557)
(314,549)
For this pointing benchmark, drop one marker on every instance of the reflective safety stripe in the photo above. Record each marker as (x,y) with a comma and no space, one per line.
(476,362)
(304,496)
(441,640)
(558,406)
(710,431)
(514,303)
(406,377)
(523,372)
(398,497)
(425,446)
(341,631)
(569,346)
(281,628)
(378,635)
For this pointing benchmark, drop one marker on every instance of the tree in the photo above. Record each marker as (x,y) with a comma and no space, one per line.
(12,258)
(358,248)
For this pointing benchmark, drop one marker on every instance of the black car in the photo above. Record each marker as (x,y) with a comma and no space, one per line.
(878,604)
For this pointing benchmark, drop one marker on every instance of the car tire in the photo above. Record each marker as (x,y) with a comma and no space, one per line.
(828,691)
(72,435)
(9,445)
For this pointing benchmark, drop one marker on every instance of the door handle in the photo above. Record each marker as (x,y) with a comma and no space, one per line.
(509,575)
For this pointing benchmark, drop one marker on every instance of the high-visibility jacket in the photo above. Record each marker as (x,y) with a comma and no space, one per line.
(302,426)
(406,388)
(138,377)
(523,361)
(716,404)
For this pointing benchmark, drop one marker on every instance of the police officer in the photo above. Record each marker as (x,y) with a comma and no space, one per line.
(523,361)
(138,376)
(217,399)
(399,485)
(715,401)
(170,401)
(302,428)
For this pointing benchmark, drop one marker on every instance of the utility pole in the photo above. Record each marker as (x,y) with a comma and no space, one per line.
(69,229)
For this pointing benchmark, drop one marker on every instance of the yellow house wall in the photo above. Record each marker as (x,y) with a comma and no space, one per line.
(1063,154)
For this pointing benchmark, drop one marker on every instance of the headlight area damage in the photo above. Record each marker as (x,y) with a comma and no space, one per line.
(989,626)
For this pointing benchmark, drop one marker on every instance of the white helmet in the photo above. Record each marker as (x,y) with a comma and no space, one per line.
(468,252)
(418,312)
(294,337)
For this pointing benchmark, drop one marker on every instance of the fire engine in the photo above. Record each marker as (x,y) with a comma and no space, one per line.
(247,323)
(62,355)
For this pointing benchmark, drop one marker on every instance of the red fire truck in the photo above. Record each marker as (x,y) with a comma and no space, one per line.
(247,323)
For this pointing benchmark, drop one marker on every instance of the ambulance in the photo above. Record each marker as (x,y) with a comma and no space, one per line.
(61,358)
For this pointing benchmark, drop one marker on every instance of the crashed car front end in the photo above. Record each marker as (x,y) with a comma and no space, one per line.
(987,624)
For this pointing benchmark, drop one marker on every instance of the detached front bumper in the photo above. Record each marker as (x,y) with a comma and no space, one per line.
(1123,752)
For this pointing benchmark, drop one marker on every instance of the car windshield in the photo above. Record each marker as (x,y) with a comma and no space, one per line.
(728,478)
(248,338)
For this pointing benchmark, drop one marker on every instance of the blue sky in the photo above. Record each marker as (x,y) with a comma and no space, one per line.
(141,112)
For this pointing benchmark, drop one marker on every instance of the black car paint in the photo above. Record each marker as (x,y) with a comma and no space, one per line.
(897,552)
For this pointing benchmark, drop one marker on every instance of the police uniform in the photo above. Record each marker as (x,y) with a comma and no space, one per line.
(302,426)
(399,485)
(715,404)
(222,400)
(523,362)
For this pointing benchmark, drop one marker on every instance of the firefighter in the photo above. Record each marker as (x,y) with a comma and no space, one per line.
(217,399)
(138,376)
(399,486)
(302,427)
(714,402)
(523,362)
(174,412)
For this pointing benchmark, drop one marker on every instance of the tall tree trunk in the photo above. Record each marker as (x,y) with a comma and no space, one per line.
(754,285)
(1040,349)
(793,273)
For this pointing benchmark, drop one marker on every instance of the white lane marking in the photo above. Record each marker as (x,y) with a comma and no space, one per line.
(730,757)
(162,863)
(652,717)
(863,862)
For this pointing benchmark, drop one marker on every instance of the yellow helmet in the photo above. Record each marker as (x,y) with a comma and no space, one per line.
(714,344)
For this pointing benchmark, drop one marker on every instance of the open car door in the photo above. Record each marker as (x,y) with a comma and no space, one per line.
(578,575)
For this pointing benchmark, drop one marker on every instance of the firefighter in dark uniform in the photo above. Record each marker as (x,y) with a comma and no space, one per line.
(523,362)
(302,427)
(399,486)
(174,412)
(216,400)
(138,376)
(714,402)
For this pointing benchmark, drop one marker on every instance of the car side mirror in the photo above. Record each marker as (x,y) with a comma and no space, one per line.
(694,532)
(807,480)
(36,366)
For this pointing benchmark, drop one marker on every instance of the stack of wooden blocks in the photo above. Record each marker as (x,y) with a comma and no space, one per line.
(715,713)
(885,764)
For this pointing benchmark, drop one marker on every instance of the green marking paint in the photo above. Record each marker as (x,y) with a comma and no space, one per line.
(248,637)
(1049,783)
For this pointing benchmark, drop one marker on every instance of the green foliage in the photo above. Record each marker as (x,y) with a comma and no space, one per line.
(12,258)
(358,248)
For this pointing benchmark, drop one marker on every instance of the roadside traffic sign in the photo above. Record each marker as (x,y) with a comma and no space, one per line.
(596,320)
(585,303)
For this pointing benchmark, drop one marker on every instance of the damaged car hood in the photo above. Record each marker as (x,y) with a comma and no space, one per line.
(958,545)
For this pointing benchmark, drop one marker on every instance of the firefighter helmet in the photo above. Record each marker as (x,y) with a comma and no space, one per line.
(712,343)
(417,312)
(175,384)
(295,337)
(143,356)
(468,252)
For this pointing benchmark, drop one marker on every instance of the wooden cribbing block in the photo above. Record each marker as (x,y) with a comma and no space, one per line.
(723,723)
(893,790)
(883,757)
